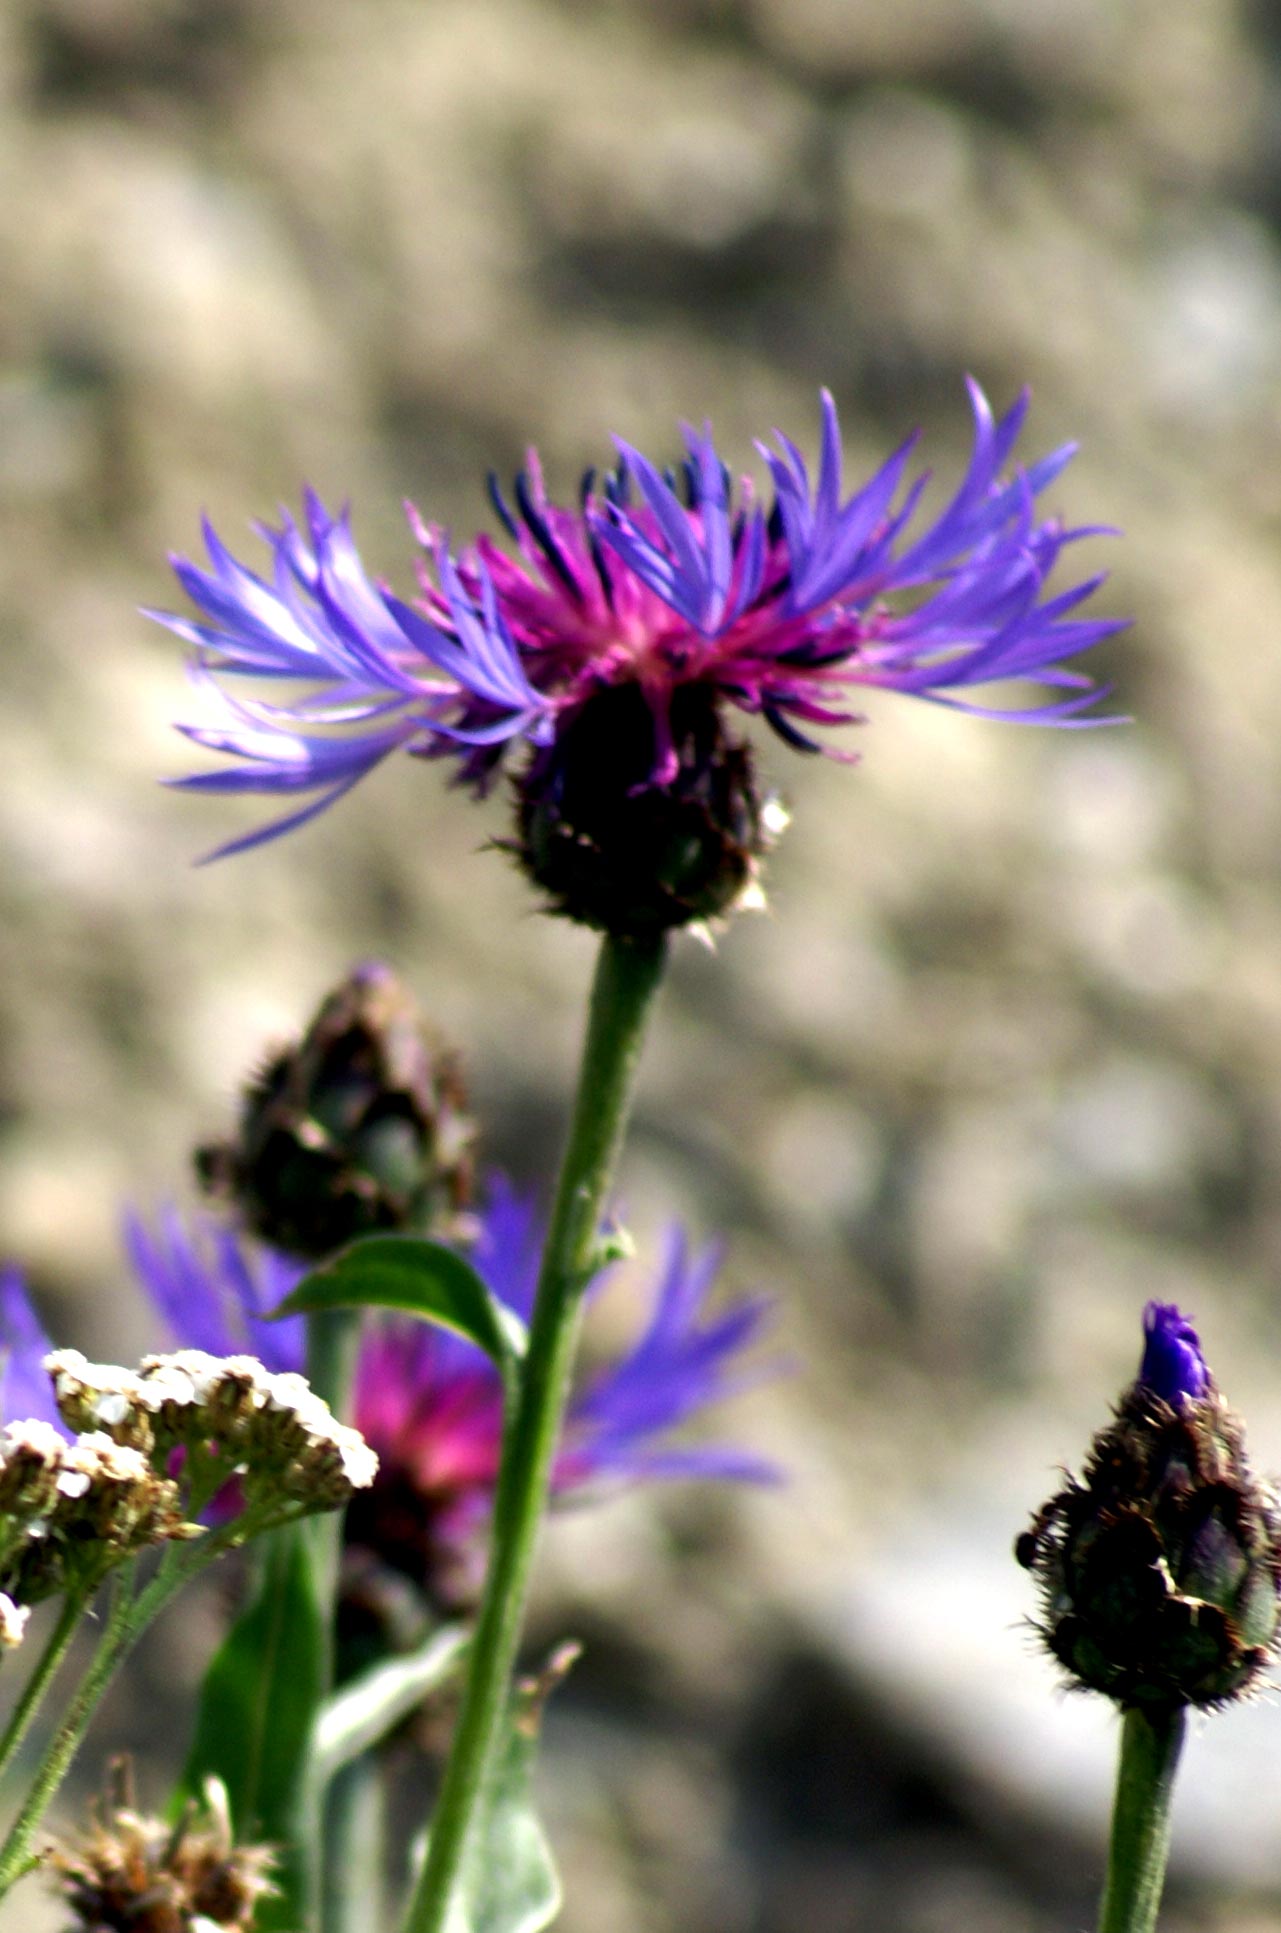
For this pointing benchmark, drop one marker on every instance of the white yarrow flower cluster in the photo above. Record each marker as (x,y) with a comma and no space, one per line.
(271,1430)
(70,1511)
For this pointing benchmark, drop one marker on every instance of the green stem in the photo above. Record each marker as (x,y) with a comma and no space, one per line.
(627,976)
(127,1619)
(58,1756)
(333,1343)
(38,1683)
(1149,1757)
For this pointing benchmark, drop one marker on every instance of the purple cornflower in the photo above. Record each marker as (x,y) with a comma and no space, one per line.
(212,1292)
(669,586)
(429,1402)
(1173,1367)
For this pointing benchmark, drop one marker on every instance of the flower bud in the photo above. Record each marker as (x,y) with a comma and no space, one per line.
(618,844)
(1160,1570)
(361,1126)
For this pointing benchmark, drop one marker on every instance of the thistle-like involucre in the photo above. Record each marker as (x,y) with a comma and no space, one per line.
(1160,1570)
(617,641)
(358,1127)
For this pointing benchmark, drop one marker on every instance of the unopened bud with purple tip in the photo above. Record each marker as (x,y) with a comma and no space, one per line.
(1173,1367)
(1160,1568)
(360,1127)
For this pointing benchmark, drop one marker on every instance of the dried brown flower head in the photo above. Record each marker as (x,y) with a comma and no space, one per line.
(130,1872)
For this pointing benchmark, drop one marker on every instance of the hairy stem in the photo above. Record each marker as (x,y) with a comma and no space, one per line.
(627,976)
(127,1618)
(59,1642)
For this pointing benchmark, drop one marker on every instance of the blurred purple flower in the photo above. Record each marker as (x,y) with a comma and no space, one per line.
(213,1292)
(25,1390)
(1173,1367)
(429,1402)
(662,581)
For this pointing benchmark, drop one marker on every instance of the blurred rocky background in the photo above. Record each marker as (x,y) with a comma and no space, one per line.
(1003,1060)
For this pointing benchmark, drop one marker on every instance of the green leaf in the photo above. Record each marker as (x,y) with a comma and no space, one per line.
(420,1278)
(357,1717)
(509,1882)
(258,1707)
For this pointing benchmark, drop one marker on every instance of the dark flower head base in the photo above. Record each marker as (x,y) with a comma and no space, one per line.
(621,633)
(614,851)
(1160,1569)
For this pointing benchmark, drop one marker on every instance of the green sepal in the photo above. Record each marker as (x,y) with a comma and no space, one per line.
(612,1245)
(1256,1612)
(419,1278)
(509,1882)
(257,1714)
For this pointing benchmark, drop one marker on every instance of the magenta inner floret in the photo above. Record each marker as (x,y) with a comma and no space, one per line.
(665,581)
